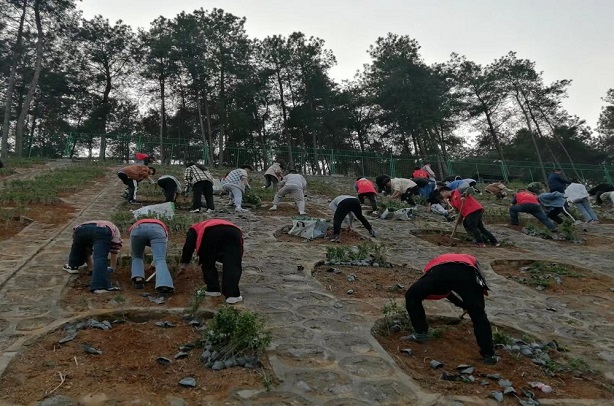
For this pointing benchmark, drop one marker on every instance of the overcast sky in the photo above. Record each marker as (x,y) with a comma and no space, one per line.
(568,39)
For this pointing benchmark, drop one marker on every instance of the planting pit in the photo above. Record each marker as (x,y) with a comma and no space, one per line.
(553,277)
(348,237)
(77,296)
(454,345)
(127,371)
(13,220)
(370,282)
(442,238)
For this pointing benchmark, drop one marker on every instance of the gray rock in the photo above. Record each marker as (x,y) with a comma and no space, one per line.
(467,378)
(163,361)
(241,361)
(58,400)
(536,345)
(208,347)
(436,364)
(165,324)
(509,391)
(526,352)
(494,376)
(68,338)
(176,401)
(540,288)
(181,355)
(515,348)
(504,383)
(218,366)
(186,347)
(467,371)
(375,265)
(337,305)
(538,361)
(350,292)
(91,350)
(611,289)
(205,355)
(188,382)
(195,323)
(214,355)
(333,270)
(229,363)
(351,278)
(496,395)
(249,365)
(484,383)
(446,376)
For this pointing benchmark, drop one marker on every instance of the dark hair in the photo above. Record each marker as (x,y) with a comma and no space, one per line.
(473,183)
(445,189)
(292,171)
(153,169)
(281,163)
(416,168)
(188,164)
(247,167)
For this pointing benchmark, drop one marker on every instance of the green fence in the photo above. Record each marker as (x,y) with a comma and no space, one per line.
(310,161)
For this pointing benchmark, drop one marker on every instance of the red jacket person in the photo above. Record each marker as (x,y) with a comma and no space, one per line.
(216,240)
(458,278)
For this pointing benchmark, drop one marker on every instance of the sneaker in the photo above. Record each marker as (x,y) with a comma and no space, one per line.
(273,208)
(71,269)
(491,359)
(133,202)
(263,187)
(335,238)
(209,211)
(165,290)
(213,294)
(195,211)
(233,300)
(497,244)
(375,213)
(372,233)
(139,283)
(111,289)
(241,210)
(416,337)
(302,213)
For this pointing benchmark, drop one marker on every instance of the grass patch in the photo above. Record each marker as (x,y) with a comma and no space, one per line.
(545,274)
(367,251)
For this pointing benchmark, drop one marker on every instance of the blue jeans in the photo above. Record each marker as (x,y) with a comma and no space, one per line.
(585,208)
(153,235)
(535,210)
(97,239)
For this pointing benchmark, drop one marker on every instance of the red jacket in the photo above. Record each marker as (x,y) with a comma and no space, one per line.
(526,198)
(156,221)
(420,173)
(448,258)
(201,227)
(471,205)
(365,186)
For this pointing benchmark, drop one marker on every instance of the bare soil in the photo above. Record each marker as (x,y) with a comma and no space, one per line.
(348,237)
(443,239)
(586,282)
(288,209)
(13,220)
(126,370)
(370,283)
(77,296)
(456,346)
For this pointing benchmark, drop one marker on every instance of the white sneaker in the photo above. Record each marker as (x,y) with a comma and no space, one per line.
(302,213)
(195,211)
(233,300)
(99,291)
(213,294)
(209,211)
(264,187)
(70,269)
(273,208)
(241,210)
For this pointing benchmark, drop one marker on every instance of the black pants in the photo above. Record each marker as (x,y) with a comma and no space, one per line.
(407,196)
(475,228)
(554,214)
(170,189)
(270,180)
(371,197)
(131,183)
(222,244)
(343,209)
(198,189)
(439,281)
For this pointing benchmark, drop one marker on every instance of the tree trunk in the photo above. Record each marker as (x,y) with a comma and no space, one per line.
(209,130)
(105,113)
(222,106)
(560,142)
(530,128)
(163,157)
(11,84)
(285,115)
(202,128)
(33,84)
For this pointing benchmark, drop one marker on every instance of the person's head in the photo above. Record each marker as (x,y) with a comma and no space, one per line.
(152,171)
(387,181)
(458,178)
(190,163)
(416,168)
(292,171)
(281,163)
(445,192)
(427,164)
(575,180)
(558,170)
(521,190)
(247,167)
(472,183)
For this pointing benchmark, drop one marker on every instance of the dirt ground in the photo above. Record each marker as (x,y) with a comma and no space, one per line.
(370,282)
(456,346)
(442,238)
(288,209)
(585,282)
(77,296)
(11,224)
(348,237)
(127,368)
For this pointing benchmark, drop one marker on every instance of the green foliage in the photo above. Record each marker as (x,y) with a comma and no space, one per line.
(369,251)
(568,232)
(238,333)
(500,337)
(545,274)
(252,199)
(393,205)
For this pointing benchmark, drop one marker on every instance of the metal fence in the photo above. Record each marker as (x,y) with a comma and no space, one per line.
(310,161)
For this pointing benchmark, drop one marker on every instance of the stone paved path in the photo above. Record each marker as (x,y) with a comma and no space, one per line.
(323,352)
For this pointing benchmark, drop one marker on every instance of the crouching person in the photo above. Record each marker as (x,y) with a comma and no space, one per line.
(216,240)
(456,277)
(153,233)
(526,202)
(366,188)
(294,185)
(97,239)
(344,206)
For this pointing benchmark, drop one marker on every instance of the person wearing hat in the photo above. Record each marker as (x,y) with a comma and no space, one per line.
(557,182)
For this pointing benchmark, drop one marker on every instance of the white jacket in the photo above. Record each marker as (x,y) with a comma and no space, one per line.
(575,192)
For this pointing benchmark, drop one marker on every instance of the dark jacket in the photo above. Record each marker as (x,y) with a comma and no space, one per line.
(557,183)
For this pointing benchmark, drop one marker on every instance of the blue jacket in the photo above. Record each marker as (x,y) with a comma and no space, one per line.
(557,183)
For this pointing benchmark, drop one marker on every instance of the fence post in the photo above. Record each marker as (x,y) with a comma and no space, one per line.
(531,175)
(66,146)
(332,162)
(504,172)
(607,174)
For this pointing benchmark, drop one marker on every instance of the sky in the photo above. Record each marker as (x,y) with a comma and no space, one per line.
(567,39)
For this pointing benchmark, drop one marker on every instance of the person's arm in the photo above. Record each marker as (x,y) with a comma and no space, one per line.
(514,200)
(245,181)
(113,262)
(187,179)
(304,184)
(188,249)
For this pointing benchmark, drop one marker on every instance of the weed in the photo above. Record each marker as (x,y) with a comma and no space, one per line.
(393,205)
(500,337)
(395,316)
(251,198)
(436,332)
(236,333)
(545,274)
(367,251)
(578,364)
(568,232)
(267,380)
(197,299)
